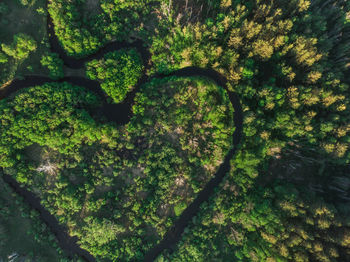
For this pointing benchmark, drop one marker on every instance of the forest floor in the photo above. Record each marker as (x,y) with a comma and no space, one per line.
(306,169)
(17,227)
(92,7)
(31,20)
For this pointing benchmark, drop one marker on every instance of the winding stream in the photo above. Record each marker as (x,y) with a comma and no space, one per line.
(120,114)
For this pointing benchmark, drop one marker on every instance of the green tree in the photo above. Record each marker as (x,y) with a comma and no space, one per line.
(21,46)
(54,64)
(3,58)
(119,72)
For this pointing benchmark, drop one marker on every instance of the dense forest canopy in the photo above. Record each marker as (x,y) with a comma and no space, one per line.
(112,185)
(119,72)
(119,188)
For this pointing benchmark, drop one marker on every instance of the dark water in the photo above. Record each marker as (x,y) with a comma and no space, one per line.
(174,234)
(120,114)
(66,242)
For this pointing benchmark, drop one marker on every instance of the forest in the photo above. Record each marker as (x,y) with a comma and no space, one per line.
(178,131)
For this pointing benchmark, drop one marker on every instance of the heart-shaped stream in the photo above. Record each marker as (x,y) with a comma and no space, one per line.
(133,174)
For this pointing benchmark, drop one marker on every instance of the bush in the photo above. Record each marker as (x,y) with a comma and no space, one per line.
(54,64)
(119,72)
(21,46)
(3,58)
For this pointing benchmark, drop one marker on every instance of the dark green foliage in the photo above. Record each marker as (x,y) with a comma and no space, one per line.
(25,120)
(278,59)
(3,8)
(119,189)
(84,26)
(23,37)
(291,75)
(22,234)
(72,30)
(279,222)
(131,18)
(118,193)
(118,72)
(54,64)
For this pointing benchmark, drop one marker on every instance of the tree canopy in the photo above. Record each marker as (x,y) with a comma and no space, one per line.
(120,188)
(118,72)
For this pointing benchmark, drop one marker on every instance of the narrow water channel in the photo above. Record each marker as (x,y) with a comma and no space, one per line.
(120,114)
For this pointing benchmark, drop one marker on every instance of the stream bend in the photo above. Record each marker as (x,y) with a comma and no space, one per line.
(121,114)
